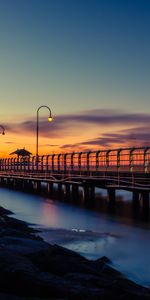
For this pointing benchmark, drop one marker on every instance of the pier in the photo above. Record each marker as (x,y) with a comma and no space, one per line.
(117,169)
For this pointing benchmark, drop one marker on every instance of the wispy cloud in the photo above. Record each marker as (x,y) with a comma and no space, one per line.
(136,128)
(49,145)
(139,136)
(10,143)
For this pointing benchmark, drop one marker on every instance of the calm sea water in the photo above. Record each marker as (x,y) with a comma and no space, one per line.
(121,234)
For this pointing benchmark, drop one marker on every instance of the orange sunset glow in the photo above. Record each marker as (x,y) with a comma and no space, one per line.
(83,131)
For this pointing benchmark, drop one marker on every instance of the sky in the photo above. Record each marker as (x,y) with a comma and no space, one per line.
(88,60)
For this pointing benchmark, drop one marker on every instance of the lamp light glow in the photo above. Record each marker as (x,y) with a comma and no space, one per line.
(50,119)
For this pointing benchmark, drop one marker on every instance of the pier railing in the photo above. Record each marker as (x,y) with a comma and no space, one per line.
(114,160)
(114,169)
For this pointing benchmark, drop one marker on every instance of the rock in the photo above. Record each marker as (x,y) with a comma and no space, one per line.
(4,211)
(13,297)
(33,269)
(60,261)
(23,245)
(103,265)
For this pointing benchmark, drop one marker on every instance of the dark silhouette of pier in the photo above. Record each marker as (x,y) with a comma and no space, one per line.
(117,169)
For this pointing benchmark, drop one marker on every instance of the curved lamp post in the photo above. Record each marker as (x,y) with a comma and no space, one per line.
(37,130)
(3,130)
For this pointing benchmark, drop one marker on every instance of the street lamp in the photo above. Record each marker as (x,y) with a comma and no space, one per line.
(50,119)
(3,130)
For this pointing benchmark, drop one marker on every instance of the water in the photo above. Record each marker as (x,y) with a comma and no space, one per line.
(121,237)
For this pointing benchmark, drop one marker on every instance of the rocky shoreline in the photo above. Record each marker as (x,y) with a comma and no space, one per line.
(32,269)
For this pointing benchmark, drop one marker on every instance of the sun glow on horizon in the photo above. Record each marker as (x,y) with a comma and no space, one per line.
(84,131)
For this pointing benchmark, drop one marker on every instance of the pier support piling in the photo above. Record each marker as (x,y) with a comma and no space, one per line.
(145,200)
(50,188)
(75,192)
(111,192)
(67,191)
(59,190)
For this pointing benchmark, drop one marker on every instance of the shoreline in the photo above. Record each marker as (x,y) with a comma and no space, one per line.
(31,268)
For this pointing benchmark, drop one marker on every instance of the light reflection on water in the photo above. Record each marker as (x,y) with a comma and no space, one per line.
(91,233)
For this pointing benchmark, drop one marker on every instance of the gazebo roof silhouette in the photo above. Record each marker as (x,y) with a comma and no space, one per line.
(21,152)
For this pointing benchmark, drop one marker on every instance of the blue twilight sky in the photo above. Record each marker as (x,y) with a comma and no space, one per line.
(75,56)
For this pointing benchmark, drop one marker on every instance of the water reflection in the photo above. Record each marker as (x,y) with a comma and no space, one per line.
(124,209)
(49,214)
(120,232)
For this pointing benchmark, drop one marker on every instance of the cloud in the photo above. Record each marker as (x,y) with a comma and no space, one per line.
(104,117)
(138,136)
(48,145)
(136,127)
(10,142)
(65,146)
(90,116)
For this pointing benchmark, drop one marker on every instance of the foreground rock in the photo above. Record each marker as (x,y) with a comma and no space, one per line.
(33,269)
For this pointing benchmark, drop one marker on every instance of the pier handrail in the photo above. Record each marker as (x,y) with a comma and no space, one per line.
(135,159)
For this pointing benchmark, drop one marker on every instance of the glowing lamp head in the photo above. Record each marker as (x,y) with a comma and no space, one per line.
(50,119)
